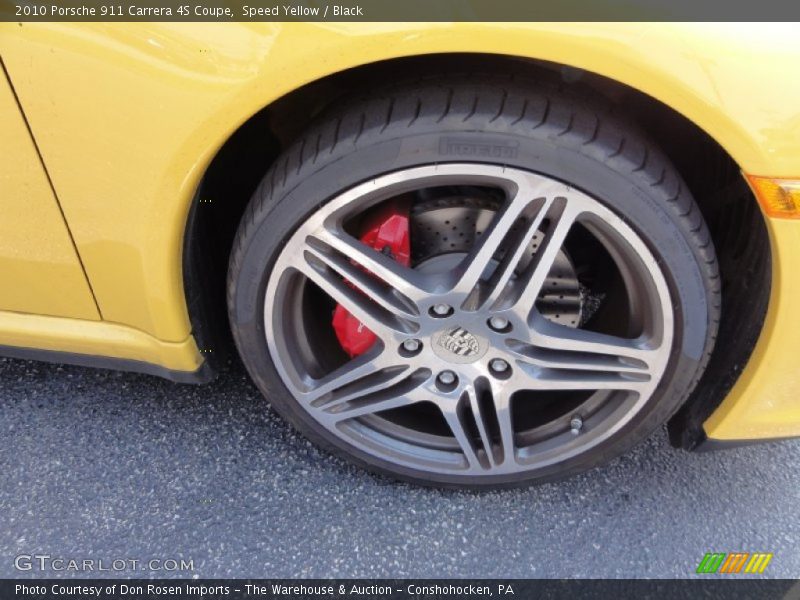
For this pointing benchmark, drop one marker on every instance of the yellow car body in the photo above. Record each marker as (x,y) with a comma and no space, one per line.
(108,129)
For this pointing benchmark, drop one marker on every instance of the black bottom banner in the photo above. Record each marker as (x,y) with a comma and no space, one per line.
(400,589)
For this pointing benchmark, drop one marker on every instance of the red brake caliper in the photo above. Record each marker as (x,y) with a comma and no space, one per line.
(385,230)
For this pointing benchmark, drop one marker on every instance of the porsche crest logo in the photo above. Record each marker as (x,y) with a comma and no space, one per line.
(459,341)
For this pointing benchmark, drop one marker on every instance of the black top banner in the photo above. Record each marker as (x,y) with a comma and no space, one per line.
(396,589)
(398,10)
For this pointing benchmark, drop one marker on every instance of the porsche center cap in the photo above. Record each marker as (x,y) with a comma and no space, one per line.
(457,345)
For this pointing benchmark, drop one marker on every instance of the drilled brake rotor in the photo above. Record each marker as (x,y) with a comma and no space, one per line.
(450,226)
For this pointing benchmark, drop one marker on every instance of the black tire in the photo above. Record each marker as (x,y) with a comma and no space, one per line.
(522,124)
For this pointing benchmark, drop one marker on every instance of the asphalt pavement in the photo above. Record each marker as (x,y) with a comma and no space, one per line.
(110,466)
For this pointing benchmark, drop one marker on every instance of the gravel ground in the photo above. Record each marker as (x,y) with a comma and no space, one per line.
(99,464)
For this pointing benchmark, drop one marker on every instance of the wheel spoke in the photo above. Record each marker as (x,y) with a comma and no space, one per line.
(526,209)
(396,390)
(501,403)
(529,284)
(378,309)
(458,423)
(482,426)
(406,282)
(554,336)
(351,374)
(578,361)
(505,270)
(487,410)
(561,357)
(388,298)
(568,380)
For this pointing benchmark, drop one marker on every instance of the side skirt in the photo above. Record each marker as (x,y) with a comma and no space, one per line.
(202,375)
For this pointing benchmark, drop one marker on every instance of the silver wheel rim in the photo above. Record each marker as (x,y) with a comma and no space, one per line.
(530,357)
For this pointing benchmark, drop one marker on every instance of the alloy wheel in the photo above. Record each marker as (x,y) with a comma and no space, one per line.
(494,356)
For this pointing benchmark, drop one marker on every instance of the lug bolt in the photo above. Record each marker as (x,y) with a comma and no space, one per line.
(576,424)
(498,323)
(498,365)
(411,345)
(447,378)
(441,310)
